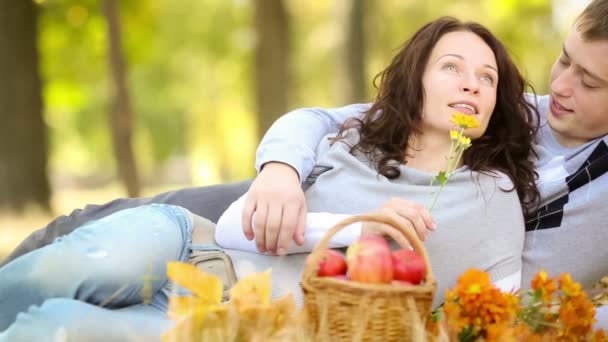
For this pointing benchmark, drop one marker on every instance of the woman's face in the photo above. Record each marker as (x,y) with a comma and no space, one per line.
(460,76)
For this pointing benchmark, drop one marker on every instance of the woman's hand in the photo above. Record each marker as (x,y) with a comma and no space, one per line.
(407,214)
(279,204)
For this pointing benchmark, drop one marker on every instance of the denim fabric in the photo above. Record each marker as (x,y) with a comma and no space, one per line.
(104,281)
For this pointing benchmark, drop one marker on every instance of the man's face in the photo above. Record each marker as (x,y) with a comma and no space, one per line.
(579,91)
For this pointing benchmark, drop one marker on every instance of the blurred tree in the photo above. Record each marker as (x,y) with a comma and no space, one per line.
(121,114)
(351,75)
(271,61)
(23,145)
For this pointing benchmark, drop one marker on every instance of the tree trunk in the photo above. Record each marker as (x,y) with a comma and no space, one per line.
(23,139)
(351,76)
(121,114)
(272,62)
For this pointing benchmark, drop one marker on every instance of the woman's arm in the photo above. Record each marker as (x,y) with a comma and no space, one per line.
(504,222)
(509,283)
(229,231)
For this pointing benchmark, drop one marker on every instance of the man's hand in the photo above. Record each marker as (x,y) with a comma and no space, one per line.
(407,214)
(279,204)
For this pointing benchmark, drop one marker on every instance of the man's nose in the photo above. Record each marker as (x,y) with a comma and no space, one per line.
(562,84)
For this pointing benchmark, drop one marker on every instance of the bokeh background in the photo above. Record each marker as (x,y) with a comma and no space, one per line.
(111,98)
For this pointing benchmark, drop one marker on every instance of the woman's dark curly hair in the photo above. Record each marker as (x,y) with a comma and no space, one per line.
(396,114)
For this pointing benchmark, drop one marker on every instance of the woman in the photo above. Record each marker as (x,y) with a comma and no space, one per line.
(88,285)
(461,68)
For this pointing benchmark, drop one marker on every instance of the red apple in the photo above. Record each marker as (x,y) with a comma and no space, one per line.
(332,264)
(369,260)
(408,266)
(341,277)
(401,283)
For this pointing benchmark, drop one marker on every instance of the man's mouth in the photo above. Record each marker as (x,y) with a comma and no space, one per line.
(557,109)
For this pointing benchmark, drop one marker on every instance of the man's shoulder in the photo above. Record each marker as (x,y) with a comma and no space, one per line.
(534,98)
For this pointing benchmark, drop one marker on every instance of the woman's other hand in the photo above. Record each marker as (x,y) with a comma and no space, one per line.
(407,214)
(279,204)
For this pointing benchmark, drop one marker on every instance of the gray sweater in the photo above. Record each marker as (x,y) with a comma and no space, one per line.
(479,225)
(569,233)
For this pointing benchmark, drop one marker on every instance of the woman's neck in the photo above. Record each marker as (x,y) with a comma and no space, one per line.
(429,152)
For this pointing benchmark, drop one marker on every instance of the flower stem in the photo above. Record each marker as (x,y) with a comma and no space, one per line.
(436,196)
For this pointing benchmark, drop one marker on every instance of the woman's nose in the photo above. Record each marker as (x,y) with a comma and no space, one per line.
(470,84)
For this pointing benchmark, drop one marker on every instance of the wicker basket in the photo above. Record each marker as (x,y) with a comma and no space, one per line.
(341,310)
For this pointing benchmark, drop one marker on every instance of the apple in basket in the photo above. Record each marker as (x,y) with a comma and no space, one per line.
(369,260)
(332,264)
(408,266)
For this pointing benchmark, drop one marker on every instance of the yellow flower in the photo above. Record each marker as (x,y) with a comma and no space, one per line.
(464,121)
(455,135)
(464,142)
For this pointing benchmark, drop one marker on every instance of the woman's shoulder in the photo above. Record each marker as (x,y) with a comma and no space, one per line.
(344,140)
(495,180)
(495,176)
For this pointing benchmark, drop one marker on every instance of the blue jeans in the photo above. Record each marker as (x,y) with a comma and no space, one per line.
(105,281)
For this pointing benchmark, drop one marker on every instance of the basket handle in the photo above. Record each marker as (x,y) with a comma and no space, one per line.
(394,230)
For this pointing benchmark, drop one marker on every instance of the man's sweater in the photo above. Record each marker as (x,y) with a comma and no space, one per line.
(569,233)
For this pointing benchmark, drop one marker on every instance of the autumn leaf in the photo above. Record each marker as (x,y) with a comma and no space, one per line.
(208,288)
(252,290)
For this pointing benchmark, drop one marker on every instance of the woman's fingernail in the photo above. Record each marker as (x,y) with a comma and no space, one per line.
(281,251)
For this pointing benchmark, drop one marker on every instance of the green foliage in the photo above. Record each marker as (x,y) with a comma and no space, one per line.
(190,66)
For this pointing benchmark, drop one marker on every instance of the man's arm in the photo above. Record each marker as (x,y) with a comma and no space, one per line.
(292,140)
(294,137)
(209,202)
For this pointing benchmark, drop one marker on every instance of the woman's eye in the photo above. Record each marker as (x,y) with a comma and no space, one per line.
(450,67)
(564,61)
(487,79)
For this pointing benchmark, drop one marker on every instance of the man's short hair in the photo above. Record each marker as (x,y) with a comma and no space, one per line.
(593,22)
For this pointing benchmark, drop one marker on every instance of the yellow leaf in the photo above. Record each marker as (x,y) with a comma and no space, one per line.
(187,305)
(207,287)
(284,308)
(252,290)
(191,326)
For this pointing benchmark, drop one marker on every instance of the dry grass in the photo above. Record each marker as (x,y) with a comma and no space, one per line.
(15,227)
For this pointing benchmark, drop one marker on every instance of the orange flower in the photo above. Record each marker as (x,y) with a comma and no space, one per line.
(577,315)
(568,286)
(599,336)
(544,285)
(476,303)
(472,281)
